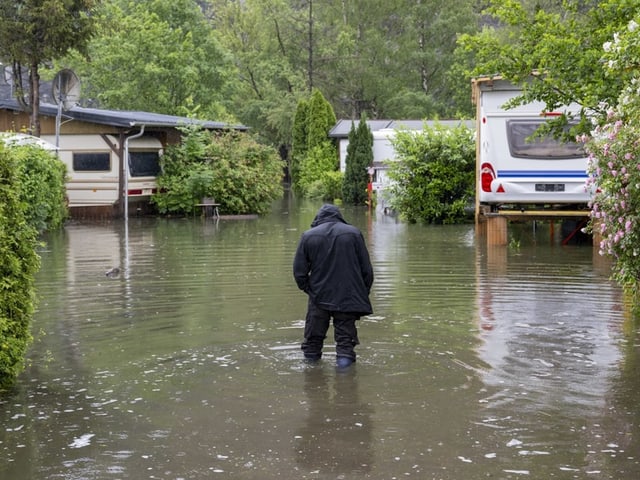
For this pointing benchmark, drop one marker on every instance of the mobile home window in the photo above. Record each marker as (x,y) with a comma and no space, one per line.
(92,162)
(523,145)
(144,164)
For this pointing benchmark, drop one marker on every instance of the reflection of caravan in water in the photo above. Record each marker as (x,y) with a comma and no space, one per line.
(93,168)
(514,168)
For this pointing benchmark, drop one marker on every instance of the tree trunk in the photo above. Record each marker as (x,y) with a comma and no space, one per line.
(34,99)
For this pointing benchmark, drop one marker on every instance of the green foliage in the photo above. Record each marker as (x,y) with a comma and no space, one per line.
(156,56)
(42,177)
(320,119)
(313,154)
(299,145)
(388,58)
(359,158)
(433,179)
(18,265)
(564,46)
(35,32)
(320,161)
(615,164)
(327,188)
(243,176)
(264,38)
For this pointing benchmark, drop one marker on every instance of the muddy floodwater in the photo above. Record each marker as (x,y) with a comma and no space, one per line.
(517,362)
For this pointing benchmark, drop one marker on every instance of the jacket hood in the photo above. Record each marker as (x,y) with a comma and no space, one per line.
(327,213)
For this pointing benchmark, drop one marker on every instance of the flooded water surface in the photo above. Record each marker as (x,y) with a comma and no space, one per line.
(478,362)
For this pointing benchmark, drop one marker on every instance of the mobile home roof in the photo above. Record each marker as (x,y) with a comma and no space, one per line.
(122,118)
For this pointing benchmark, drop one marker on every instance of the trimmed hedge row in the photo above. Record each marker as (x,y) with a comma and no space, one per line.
(31,200)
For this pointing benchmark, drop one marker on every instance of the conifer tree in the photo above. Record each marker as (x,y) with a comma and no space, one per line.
(359,159)
(312,149)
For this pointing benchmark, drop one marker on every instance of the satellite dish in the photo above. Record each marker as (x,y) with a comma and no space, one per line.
(66,89)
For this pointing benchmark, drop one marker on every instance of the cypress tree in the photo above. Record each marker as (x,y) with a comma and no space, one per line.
(312,149)
(359,159)
(321,119)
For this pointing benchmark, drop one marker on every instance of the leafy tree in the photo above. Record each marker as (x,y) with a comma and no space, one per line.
(242,175)
(563,46)
(388,58)
(359,158)
(265,38)
(433,179)
(159,56)
(33,32)
(18,265)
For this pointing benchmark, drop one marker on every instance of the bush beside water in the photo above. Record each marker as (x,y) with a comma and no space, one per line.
(32,191)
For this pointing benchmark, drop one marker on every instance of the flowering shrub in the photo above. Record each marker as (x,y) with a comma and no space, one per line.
(614,149)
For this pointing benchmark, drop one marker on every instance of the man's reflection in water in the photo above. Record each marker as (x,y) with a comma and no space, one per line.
(336,437)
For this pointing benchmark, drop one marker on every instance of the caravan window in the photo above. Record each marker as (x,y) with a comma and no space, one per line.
(523,145)
(92,162)
(144,164)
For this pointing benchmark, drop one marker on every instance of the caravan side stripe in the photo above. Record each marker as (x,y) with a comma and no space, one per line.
(542,173)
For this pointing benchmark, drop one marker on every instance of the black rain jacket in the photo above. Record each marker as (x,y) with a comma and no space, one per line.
(332,264)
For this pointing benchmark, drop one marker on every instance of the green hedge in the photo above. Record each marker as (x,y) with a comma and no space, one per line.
(32,193)
(42,176)
(18,264)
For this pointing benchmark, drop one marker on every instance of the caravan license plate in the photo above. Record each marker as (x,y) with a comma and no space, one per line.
(549,187)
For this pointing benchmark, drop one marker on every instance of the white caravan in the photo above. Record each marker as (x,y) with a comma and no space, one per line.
(93,168)
(512,168)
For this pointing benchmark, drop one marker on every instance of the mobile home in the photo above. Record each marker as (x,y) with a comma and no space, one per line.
(112,157)
(93,168)
(514,168)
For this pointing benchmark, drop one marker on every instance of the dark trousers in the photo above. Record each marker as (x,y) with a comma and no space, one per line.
(315,331)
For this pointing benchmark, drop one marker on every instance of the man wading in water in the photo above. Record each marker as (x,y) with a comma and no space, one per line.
(333,268)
